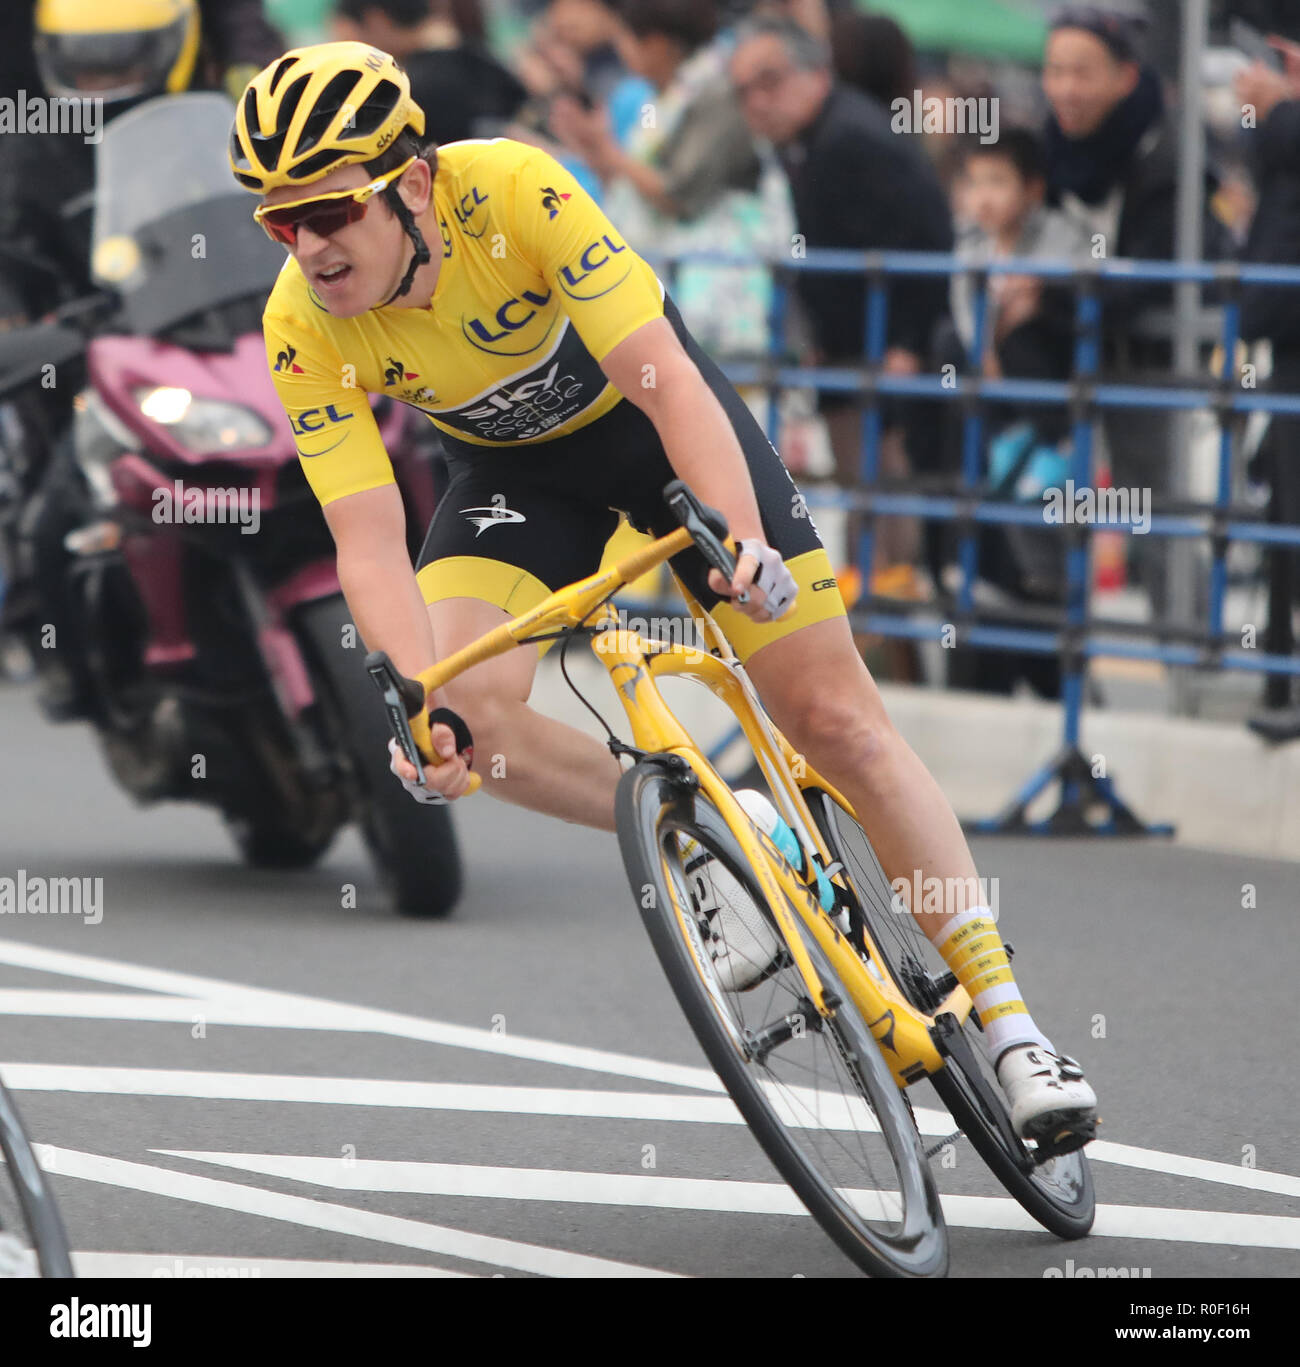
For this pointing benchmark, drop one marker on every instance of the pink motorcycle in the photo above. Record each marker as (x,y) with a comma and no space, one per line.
(198,580)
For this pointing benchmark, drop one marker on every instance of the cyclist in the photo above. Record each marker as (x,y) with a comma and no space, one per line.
(478,282)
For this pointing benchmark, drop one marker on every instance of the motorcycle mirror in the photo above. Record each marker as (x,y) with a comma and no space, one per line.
(26,351)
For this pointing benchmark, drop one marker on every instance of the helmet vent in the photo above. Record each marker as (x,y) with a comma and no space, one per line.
(331,102)
(377,110)
(289,104)
(314,165)
(281,71)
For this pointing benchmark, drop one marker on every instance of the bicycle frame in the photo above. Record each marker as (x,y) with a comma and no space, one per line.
(634,665)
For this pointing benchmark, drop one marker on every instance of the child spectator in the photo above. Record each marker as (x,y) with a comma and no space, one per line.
(1027,335)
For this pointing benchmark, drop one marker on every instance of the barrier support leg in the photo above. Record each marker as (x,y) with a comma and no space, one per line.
(1089,805)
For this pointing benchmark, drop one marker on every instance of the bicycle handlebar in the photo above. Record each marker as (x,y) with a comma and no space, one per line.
(406,699)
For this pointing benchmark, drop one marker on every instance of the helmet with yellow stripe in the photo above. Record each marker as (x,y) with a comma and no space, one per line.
(316,110)
(123,50)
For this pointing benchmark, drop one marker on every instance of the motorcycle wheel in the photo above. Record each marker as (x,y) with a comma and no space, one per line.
(267,843)
(413,846)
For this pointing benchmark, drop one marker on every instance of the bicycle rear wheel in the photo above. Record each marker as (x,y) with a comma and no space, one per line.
(32,1239)
(1058,1191)
(816,1093)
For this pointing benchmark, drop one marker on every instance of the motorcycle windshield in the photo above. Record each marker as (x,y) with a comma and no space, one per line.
(174,234)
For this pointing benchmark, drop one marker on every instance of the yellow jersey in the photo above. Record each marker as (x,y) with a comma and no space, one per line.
(536,287)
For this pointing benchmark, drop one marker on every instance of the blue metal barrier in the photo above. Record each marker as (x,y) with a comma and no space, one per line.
(1074,639)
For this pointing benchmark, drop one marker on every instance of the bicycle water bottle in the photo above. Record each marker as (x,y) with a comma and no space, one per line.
(758,807)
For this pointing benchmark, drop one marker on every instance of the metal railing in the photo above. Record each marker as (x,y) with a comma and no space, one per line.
(1071,635)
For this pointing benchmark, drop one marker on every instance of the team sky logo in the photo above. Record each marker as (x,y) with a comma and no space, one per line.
(516,313)
(483,518)
(284,361)
(552,200)
(590,277)
(466,209)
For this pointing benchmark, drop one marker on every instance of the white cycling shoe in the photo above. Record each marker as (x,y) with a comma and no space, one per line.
(1051,1101)
(741,941)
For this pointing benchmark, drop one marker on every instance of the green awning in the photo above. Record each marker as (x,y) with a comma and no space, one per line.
(981,28)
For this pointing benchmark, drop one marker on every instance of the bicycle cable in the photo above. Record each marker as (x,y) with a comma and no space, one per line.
(568,633)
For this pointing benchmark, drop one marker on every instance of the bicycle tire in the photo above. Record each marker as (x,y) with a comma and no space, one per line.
(1059,1193)
(653,806)
(36,1202)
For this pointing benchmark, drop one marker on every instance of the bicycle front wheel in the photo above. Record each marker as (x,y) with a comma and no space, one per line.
(816,1093)
(32,1240)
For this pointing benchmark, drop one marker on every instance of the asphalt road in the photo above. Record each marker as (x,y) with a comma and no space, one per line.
(237,1070)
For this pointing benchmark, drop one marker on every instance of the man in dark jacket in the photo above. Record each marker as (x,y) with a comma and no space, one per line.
(1272,313)
(856,184)
(1112,165)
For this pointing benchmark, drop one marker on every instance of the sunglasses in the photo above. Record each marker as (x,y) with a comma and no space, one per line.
(325,214)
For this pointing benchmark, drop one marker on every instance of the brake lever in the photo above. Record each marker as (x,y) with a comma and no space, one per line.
(401,703)
(703,524)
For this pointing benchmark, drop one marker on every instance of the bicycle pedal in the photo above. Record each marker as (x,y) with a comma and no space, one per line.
(1064,1140)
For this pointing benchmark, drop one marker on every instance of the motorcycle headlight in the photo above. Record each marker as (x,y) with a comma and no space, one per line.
(207,427)
(98,439)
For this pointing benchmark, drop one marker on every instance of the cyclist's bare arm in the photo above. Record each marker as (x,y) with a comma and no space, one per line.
(387,606)
(651,369)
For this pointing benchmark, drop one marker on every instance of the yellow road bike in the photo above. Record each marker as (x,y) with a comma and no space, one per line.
(856,1006)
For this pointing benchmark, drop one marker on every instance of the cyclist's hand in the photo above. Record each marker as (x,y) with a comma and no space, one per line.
(446,781)
(761,575)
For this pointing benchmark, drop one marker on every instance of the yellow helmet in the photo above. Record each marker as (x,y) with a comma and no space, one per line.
(316,110)
(118,51)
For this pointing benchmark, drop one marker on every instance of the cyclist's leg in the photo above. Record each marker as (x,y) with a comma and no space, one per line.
(474,577)
(821,695)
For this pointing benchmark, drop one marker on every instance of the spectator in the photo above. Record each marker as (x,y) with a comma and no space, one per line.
(1028,334)
(464,91)
(574,47)
(856,184)
(1112,165)
(873,53)
(690,177)
(1272,314)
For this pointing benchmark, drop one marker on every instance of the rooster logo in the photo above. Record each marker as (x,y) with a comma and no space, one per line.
(552,200)
(397,371)
(284,361)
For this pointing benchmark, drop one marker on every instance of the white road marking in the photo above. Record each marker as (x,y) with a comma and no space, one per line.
(1204,1169)
(831,1110)
(553,1101)
(264,1007)
(750,1198)
(359,1224)
(183,996)
(189,1266)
